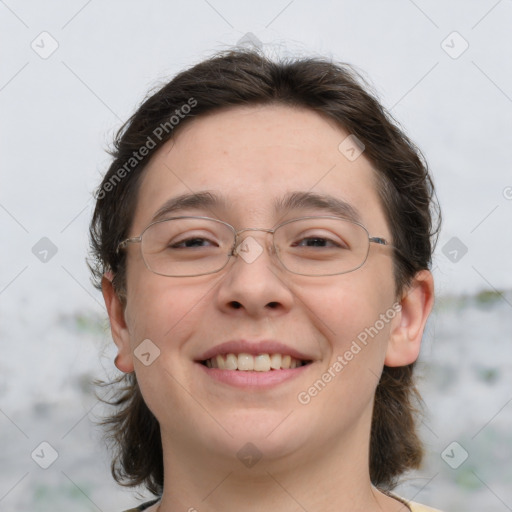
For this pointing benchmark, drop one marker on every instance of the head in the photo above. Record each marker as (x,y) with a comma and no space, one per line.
(255,137)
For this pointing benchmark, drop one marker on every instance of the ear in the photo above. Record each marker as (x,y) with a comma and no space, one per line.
(416,303)
(120,333)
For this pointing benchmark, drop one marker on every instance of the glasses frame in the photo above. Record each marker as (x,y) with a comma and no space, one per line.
(138,239)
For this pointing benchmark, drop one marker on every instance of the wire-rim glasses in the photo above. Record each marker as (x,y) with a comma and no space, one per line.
(189,246)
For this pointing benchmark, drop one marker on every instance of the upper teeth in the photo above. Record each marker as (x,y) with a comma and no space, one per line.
(259,363)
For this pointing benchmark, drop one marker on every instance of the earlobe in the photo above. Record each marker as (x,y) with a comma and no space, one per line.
(416,304)
(118,327)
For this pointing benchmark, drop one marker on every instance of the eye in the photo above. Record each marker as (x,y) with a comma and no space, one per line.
(326,239)
(191,243)
(317,241)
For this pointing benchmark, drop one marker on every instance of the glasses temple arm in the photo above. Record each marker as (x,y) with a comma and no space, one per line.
(379,240)
(124,243)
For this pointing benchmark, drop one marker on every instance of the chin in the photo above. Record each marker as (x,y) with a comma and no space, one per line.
(271,434)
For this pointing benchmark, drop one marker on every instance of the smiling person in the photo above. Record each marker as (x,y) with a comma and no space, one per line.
(263,240)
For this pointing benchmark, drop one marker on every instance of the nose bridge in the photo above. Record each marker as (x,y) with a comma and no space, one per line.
(254,229)
(249,248)
(239,241)
(251,284)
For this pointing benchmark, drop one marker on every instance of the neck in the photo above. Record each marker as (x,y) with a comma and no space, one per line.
(328,475)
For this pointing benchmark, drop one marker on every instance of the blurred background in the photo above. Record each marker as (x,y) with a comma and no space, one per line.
(72,71)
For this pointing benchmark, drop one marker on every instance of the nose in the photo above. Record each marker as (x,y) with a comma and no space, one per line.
(255,282)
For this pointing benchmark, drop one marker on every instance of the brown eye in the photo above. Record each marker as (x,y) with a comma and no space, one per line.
(191,243)
(316,241)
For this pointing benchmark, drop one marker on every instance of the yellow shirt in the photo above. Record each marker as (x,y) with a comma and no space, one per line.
(416,507)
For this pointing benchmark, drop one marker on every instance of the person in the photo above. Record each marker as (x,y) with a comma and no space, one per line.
(263,239)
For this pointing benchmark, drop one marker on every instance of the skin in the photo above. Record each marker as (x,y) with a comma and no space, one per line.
(314,456)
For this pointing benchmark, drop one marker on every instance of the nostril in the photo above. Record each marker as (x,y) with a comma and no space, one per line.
(273,305)
(236,305)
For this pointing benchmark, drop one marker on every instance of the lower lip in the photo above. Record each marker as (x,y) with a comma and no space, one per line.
(253,380)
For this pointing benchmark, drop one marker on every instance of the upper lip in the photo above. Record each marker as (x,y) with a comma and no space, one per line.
(253,347)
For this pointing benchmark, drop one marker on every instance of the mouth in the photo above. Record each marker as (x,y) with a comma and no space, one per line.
(254,363)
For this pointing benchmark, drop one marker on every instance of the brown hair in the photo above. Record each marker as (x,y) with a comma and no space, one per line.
(245,77)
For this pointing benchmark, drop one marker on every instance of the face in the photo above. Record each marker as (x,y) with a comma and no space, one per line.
(250,158)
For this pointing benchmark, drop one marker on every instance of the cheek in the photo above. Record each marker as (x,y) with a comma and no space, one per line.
(164,310)
(356,321)
(351,302)
(355,313)
(167,314)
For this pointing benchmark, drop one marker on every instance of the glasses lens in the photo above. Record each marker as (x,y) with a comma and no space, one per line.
(187,246)
(321,246)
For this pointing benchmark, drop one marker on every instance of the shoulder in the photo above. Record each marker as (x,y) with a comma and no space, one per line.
(143,506)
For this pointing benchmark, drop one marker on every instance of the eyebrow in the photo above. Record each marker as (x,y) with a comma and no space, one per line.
(323,202)
(291,201)
(189,201)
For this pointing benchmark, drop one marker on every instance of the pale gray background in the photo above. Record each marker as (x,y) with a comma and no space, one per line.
(58,115)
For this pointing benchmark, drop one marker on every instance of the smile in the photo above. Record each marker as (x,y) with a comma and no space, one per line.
(258,363)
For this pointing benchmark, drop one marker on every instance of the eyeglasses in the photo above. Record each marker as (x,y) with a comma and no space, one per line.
(308,246)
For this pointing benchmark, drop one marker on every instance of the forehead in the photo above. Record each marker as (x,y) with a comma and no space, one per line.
(253,159)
